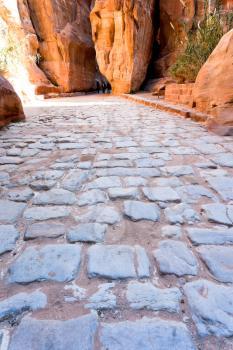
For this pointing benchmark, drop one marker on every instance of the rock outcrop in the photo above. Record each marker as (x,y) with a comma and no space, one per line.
(67,54)
(10,105)
(122,31)
(57,52)
(213,90)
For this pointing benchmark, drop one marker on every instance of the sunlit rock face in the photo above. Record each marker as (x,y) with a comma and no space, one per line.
(10,105)
(213,89)
(122,31)
(67,54)
(54,39)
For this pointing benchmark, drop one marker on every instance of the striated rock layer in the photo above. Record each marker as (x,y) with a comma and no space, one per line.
(10,105)
(122,31)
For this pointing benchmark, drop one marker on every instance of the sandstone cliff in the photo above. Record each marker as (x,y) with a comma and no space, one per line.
(122,31)
(10,105)
(213,89)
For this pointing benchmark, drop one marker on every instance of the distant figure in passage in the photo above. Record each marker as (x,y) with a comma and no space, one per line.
(104,86)
(109,88)
(98,86)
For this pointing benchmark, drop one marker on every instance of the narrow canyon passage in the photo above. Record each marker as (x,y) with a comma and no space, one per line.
(119,221)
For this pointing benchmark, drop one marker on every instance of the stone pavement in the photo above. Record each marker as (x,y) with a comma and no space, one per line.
(116,230)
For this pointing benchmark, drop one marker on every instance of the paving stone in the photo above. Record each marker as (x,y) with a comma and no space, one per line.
(143,263)
(135,181)
(174,257)
(44,229)
(70,146)
(105,182)
(162,194)
(92,197)
(113,164)
(10,211)
(46,213)
(210,236)
(101,214)
(211,307)
(29,153)
(180,214)
(42,185)
(47,175)
(20,195)
(14,152)
(10,160)
(147,296)
(178,170)
(19,303)
(123,193)
(74,179)
(136,211)
(192,193)
(170,231)
(93,233)
(103,299)
(8,237)
(115,262)
(219,260)
(146,334)
(184,151)
(143,172)
(84,165)
(56,196)
(4,178)
(206,148)
(149,163)
(63,166)
(57,262)
(219,213)
(223,185)
(167,182)
(224,159)
(131,156)
(55,335)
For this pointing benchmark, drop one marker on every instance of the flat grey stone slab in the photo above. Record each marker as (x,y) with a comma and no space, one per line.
(19,303)
(148,334)
(47,175)
(57,196)
(105,182)
(211,307)
(143,263)
(224,159)
(149,163)
(21,195)
(42,185)
(74,179)
(174,257)
(223,185)
(93,233)
(10,211)
(135,181)
(57,262)
(8,237)
(115,262)
(10,160)
(75,334)
(210,236)
(123,193)
(161,194)
(143,172)
(101,214)
(103,299)
(4,178)
(219,260)
(92,197)
(147,296)
(45,213)
(178,170)
(137,210)
(180,214)
(219,213)
(43,229)
(171,231)
(192,193)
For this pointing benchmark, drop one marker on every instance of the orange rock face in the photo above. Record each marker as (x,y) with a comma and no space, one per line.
(67,55)
(122,31)
(59,54)
(10,105)
(213,90)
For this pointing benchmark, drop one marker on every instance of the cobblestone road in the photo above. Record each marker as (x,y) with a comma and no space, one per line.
(115,230)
